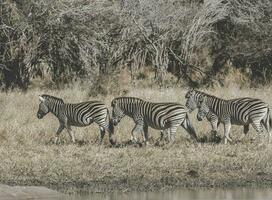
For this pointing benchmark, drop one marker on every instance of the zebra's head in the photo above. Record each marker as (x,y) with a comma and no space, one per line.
(203,108)
(117,112)
(191,103)
(46,103)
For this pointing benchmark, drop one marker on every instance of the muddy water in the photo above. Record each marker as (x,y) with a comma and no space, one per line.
(35,193)
(185,194)
(28,193)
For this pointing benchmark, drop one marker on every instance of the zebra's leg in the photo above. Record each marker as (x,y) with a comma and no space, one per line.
(71,134)
(138,128)
(102,134)
(186,124)
(227,127)
(215,123)
(258,127)
(56,139)
(110,130)
(269,136)
(172,134)
(164,134)
(267,122)
(246,129)
(167,132)
(269,133)
(145,130)
(106,126)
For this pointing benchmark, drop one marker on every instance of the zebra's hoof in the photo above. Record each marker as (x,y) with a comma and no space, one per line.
(113,142)
(136,144)
(147,144)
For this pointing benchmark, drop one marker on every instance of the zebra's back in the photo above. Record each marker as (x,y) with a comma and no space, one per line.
(85,113)
(240,110)
(156,115)
(245,110)
(164,115)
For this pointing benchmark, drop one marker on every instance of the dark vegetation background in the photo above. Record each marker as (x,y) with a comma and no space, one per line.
(189,42)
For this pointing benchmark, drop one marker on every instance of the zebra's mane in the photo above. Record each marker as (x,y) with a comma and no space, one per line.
(133,99)
(137,100)
(49,97)
(208,95)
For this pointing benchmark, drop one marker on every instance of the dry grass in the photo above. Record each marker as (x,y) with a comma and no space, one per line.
(28,159)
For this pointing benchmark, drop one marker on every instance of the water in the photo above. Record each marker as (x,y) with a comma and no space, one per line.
(185,194)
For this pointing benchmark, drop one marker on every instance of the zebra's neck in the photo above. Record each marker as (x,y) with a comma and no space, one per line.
(130,106)
(199,93)
(55,107)
(215,104)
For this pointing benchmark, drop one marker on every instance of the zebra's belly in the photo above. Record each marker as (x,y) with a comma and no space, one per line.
(164,124)
(239,123)
(156,126)
(80,124)
(234,120)
(161,126)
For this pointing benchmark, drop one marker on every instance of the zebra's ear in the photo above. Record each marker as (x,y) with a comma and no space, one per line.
(41,98)
(202,99)
(189,93)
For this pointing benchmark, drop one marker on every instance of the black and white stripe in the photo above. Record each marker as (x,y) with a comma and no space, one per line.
(79,114)
(192,103)
(240,111)
(163,116)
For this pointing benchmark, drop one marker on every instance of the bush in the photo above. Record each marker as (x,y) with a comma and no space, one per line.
(237,31)
(87,40)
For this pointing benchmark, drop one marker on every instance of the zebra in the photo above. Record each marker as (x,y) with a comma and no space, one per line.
(79,114)
(192,103)
(163,116)
(240,111)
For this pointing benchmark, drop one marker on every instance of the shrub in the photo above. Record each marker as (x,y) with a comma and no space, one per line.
(88,40)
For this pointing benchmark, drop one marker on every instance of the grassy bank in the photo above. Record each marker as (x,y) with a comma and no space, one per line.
(27,158)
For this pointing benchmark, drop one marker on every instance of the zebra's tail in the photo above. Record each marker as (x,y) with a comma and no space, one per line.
(268,121)
(110,128)
(186,124)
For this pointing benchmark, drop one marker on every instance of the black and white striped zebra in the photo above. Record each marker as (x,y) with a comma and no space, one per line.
(192,103)
(163,116)
(240,111)
(79,114)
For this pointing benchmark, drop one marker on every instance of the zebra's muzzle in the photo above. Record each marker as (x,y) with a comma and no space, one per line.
(199,118)
(114,122)
(40,115)
(190,110)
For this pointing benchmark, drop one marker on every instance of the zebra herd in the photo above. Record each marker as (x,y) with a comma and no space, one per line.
(166,117)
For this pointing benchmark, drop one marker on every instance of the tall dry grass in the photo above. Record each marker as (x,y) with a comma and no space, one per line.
(27,158)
